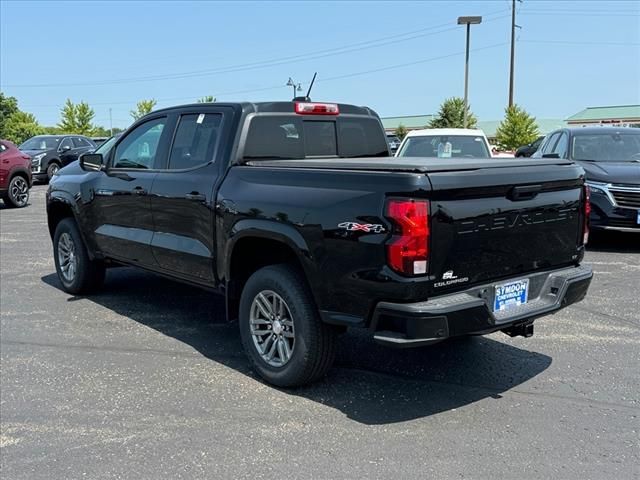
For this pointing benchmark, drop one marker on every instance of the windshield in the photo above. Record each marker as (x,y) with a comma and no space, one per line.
(607,146)
(445,146)
(41,143)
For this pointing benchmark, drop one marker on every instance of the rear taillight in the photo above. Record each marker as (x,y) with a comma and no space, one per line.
(587,213)
(408,249)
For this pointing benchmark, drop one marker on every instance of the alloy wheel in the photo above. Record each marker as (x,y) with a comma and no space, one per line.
(67,257)
(19,191)
(272,329)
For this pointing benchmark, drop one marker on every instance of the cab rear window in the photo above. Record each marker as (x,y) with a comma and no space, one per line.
(288,137)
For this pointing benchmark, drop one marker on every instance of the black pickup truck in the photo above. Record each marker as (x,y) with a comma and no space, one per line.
(296,214)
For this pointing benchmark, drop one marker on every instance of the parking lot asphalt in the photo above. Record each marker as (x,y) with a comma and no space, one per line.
(145,380)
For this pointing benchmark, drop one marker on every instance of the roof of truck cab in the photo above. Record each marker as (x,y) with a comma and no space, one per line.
(471,132)
(274,107)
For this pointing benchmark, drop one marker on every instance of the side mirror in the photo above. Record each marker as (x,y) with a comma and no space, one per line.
(92,162)
(66,148)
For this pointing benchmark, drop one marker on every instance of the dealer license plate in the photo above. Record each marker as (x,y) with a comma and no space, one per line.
(509,295)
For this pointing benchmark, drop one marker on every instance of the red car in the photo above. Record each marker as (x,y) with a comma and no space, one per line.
(15,175)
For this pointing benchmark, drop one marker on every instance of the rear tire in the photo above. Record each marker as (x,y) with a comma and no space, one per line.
(276,306)
(17,195)
(76,271)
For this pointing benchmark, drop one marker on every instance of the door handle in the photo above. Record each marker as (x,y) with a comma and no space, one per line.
(524,193)
(195,196)
(139,191)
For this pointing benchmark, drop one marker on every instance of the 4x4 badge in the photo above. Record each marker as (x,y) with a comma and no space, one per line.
(362,227)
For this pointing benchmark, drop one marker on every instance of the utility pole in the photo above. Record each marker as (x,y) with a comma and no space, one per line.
(110,123)
(466,78)
(513,49)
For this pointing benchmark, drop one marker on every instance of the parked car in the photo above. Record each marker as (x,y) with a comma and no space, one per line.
(497,153)
(530,148)
(15,175)
(49,153)
(97,141)
(394,142)
(610,157)
(445,143)
(296,214)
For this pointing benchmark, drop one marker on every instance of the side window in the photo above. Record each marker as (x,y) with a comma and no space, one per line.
(2,147)
(80,142)
(195,140)
(550,143)
(67,142)
(562,146)
(138,149)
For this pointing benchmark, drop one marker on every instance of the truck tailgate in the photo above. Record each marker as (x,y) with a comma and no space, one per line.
(493,223)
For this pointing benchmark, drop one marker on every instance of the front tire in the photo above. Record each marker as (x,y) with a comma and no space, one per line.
(76,271)
(52,169)
(17,195)
(282,334)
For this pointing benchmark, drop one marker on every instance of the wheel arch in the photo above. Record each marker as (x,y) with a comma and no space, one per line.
(22,172)
(59,207)
(258,243)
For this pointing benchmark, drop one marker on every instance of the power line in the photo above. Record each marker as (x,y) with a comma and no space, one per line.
(328,79)
(550,13)
(389,40)
(392,67)
(570,42)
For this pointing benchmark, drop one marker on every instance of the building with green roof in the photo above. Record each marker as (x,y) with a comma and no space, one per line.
(625,115)
(410,122)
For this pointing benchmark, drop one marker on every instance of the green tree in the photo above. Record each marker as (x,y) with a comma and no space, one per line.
(8,106)
(100,131)
(142,108)
(518,128)
(51,130)
(207,99)
(84,116)
(68,118)
(401,131)
(451,115)
(20,126)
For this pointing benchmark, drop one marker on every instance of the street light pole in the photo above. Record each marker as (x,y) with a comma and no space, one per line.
(296,86)
(467,21)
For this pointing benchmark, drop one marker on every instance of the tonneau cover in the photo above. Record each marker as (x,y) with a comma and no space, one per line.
(409,164)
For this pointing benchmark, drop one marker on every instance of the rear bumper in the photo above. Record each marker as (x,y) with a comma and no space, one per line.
(469,312)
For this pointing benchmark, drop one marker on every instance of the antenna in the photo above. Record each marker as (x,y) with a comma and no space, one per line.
(311,85)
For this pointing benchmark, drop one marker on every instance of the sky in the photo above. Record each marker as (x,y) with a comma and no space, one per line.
(399,58)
